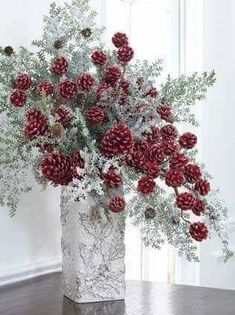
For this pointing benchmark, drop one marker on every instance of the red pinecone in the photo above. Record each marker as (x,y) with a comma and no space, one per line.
(18,98)
(141,145)
(45,87)
(99,58)
(117,204)
(192,173)
(169,132)
(23,82)
(36,124)
(120,39)
(117,140)
(152,93)
(165,112)
(63,115)
(125,54)
(169,147)
(199,207)
(185,201)
(56,168)
(75,162)
(125,86)
(154,136)
(178,161)
(152,169)
(146,185)
(68,89)
(95,115)
(188,140)
(112,179)
(155,153)
(85,82)
(202,187)
(112,75)
(174,178)
(60,66)
(198,231)
(137,160)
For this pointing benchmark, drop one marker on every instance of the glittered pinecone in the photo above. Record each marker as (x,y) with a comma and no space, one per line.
(125,54)
(85,82)
(36,124)
(45,88)
(155,153)
(146,185)
(192,173)
(95,115)
(86,32)
(188,140)
(169,147)
(63,115)
(76,161)
(178,161)
(60,66)
(99,58)
(202,187)
(112,75)
(68,89)
(117,140)
(185,201)
(152,169)
(117,204)
(199,207)
(57,129)
(23,82)
(165,112)
(141,145)
(112,179)
(8,50)
(56,168)
(198,231)
(169,132)
(120,39)
(150,213)
(18,98)
(152,93)
(137,160)
(174,178)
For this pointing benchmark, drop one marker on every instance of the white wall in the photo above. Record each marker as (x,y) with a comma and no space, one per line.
(31,240)
(217,128)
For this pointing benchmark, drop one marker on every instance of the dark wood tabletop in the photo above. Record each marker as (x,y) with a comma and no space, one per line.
(43,296)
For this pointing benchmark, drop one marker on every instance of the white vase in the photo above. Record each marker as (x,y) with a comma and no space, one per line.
(93,252)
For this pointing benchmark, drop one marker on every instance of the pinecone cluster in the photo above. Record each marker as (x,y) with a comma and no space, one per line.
(152,153)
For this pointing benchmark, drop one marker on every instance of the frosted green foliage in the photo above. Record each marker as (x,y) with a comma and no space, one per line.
(183,92)
(70,31)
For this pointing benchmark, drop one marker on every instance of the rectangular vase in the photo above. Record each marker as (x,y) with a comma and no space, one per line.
(93,252)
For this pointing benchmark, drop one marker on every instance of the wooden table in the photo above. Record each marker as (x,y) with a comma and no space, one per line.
(43,296)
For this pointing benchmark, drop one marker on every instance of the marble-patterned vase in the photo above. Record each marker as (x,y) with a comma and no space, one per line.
(93,252)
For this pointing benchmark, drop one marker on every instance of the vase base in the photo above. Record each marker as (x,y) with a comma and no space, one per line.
(95,300)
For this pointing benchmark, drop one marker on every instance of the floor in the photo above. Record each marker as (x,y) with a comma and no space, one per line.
(43,296)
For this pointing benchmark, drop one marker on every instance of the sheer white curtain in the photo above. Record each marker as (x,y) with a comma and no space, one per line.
(155,31)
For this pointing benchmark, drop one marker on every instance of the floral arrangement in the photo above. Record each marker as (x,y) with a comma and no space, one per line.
(92,120)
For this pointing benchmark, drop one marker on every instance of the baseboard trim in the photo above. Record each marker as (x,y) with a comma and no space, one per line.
(28,271)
